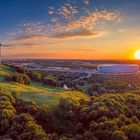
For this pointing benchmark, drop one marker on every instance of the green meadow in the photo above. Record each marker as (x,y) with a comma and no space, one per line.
(38,92)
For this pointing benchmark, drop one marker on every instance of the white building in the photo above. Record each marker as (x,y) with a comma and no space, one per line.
(118,68)
(65,87)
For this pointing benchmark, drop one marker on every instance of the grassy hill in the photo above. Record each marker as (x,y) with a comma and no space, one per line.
(38,92)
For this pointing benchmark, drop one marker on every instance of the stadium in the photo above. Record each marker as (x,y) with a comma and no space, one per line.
(118,68)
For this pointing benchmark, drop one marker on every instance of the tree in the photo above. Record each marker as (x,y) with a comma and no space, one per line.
(118,135)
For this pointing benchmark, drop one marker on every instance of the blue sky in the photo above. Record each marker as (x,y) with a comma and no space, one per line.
(15,12)
(34,22)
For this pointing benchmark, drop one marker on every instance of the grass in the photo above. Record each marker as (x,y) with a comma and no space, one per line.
(4,71)
(85,87)
(38,92)
(52,99)
(4,67)
(42,86)
(42,94)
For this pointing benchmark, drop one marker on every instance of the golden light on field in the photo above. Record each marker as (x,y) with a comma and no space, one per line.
(137,54)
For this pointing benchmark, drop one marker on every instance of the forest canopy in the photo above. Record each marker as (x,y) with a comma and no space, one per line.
(103,117)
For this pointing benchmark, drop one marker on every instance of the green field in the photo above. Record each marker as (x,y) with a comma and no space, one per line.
(38,92)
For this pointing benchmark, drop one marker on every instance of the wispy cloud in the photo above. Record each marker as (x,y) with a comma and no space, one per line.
(89,25)
(67,22)
(31,55)
(80,33)
(7,46)
(30,37)
(66,11)
(87,2)
(121,30)
(29,28)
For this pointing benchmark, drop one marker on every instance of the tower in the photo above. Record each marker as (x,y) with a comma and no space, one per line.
(0,54)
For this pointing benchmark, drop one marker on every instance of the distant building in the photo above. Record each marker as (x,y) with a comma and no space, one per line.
(129,85)
(65,87)
(118,68)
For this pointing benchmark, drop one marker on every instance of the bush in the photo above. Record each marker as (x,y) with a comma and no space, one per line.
(51,81)
(19,78)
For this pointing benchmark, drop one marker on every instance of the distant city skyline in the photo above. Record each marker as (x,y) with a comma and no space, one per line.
(70,29)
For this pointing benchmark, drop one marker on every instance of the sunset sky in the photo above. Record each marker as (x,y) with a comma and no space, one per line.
(70,29)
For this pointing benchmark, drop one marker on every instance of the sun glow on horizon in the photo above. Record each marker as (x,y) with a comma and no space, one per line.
(137,54)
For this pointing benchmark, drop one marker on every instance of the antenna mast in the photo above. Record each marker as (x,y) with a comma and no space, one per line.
(0,54)
(0,64)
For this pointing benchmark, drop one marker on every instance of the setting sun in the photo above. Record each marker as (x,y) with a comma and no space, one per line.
(137,54)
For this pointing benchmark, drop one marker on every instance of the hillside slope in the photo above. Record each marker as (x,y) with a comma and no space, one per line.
(38,92)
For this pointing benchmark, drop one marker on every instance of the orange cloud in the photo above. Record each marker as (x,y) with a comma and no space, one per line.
(81,33)
(30,37)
